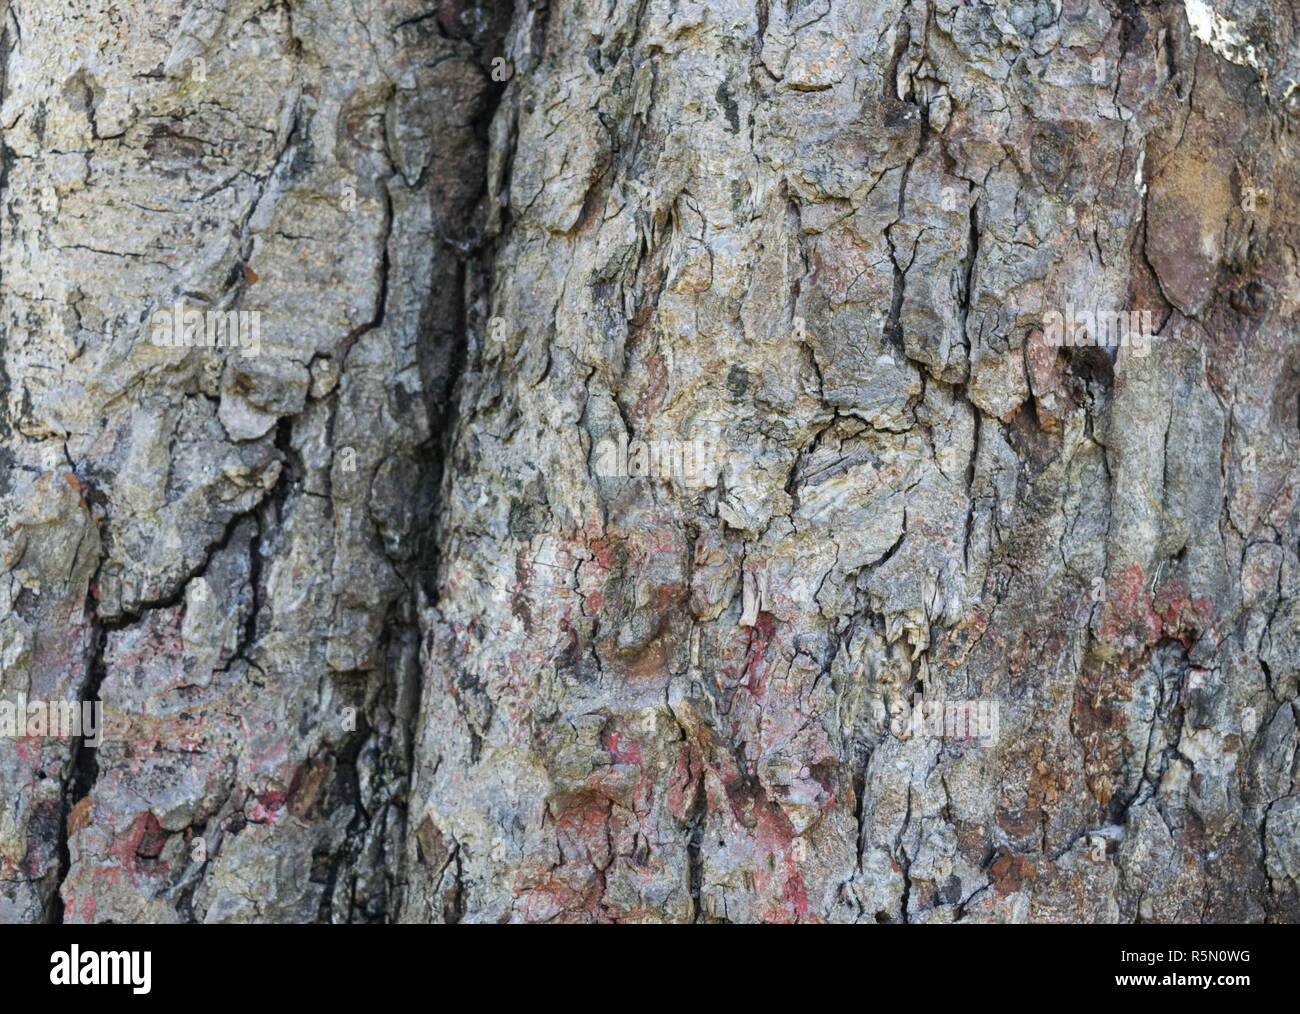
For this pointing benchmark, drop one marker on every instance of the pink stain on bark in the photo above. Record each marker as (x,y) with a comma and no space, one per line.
(269,805)
(785,882)
(1127,618)
(632,755)
(139,848)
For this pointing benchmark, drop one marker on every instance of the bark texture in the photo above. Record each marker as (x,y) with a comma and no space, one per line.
(225,548)
(380,633)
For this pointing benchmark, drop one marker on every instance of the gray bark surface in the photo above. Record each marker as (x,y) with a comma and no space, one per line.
(385,626)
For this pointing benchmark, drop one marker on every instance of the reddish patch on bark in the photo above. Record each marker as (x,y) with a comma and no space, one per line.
(87,908)
(759,658)
(139,848)
(149,844)
(1018,824)
(604,554)
(269,805)
(1010,872)
(81,489)
(1182,616)
(573,890)
(632,755)
(1132,620)
(682,787)
(1127,619)
(776,872)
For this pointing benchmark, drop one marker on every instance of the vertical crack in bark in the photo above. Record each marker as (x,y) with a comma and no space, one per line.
(464,260)
(694,844)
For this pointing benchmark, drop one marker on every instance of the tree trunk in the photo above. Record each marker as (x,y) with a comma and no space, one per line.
(675,480)
(226,547)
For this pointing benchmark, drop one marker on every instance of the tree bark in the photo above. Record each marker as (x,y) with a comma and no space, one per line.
(226,548)
(656,423)
(822,239)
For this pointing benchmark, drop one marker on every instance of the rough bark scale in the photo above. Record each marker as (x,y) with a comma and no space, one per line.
(819,236)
